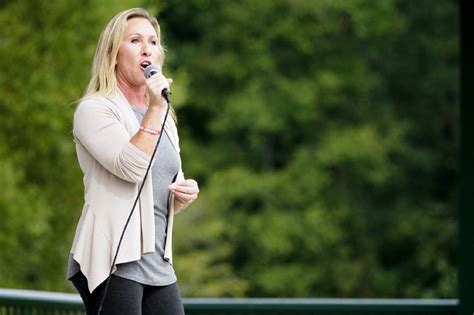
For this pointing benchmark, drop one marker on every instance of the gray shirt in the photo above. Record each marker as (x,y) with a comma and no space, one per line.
(152,268)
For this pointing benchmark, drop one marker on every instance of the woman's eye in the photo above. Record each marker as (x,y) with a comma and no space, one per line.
(134,40)
(154,42)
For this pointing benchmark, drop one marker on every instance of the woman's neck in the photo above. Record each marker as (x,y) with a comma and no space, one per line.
(134,95)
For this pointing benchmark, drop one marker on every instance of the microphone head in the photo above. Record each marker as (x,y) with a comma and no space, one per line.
(151,70)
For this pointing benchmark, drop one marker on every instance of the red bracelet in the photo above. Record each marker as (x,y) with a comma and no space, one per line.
(149,130)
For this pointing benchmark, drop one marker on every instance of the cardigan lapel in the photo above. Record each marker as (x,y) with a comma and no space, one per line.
(119,100)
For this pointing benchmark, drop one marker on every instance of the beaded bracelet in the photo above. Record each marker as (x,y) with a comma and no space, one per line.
(149,130)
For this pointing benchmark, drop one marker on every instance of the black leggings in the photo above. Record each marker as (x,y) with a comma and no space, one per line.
(130,297)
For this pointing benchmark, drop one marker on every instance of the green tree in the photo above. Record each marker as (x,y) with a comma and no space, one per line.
(322,134)
(324,172)
(46,49)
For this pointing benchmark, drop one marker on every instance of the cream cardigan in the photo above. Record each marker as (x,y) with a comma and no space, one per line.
(113,168)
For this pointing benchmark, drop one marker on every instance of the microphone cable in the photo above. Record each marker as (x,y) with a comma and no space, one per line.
(168,101)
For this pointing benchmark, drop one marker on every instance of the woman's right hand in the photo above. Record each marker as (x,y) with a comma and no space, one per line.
(155,85)
(157,105)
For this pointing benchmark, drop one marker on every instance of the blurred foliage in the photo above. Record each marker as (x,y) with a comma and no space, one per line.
(322,133)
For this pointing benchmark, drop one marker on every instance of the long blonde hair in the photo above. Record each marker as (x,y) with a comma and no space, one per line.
(103,81)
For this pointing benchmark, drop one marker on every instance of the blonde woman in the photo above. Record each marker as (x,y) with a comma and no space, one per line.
(116,127)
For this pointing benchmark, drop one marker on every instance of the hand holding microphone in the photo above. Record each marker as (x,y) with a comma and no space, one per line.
(157,85)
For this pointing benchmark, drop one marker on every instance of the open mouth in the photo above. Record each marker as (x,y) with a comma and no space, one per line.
(145,64)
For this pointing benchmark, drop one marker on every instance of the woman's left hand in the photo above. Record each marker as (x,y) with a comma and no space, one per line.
(185,191)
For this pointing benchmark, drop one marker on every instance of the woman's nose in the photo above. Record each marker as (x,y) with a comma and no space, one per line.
(146,49)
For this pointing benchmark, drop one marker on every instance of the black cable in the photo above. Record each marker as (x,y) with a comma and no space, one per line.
(133,207)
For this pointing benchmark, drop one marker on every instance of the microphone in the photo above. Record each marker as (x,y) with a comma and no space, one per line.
(150,71)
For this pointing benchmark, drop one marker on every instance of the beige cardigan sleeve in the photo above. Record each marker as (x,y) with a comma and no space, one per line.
(98,127)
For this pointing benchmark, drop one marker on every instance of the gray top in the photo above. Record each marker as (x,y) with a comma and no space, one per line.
(152,268)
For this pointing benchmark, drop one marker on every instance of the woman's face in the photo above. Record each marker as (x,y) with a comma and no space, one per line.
(139,48)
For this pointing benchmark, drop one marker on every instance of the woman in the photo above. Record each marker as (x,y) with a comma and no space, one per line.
(116,127)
